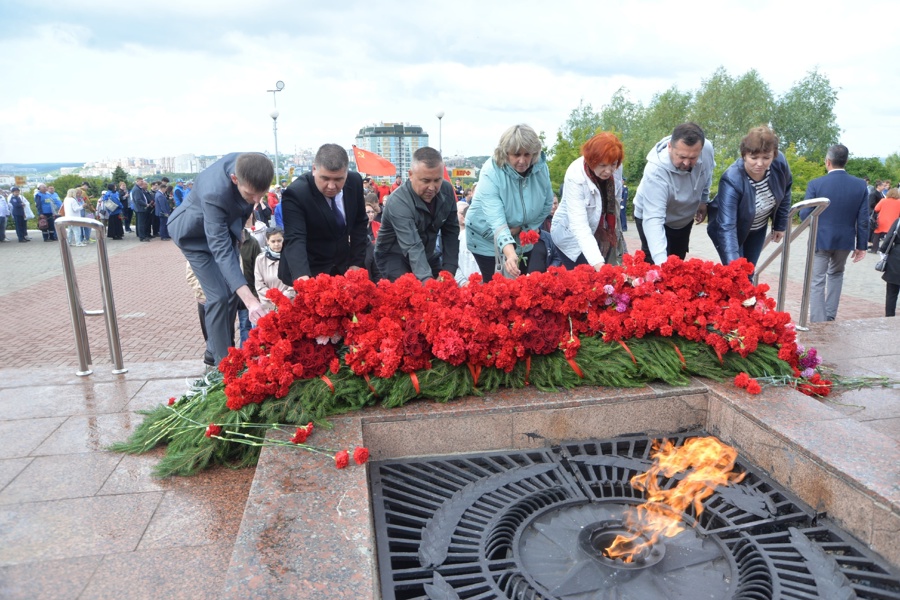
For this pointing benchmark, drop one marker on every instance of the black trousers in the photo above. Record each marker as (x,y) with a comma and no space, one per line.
(21,227)
(677,240)
(890,299)
(143,224)
(535,262)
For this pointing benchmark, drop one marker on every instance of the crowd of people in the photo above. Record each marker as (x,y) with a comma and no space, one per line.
(242,236)
(148,205)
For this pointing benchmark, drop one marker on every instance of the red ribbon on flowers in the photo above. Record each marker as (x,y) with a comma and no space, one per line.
(369,383)
(576,368)
(680,355)
(415,382)
(476,373)
(719,354)
(328,383)
(628,350)
(527,368)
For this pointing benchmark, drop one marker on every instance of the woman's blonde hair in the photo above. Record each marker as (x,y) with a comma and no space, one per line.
(518,138)
(71,192)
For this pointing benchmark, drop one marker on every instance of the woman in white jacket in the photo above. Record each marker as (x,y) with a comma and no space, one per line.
(74,207)
(584,226)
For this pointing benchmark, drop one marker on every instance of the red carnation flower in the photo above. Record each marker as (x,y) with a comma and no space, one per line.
(529,237)
(300,436)
(742,380)
(342,459)
(753,387)
(360,455)
(171,400)
(212,430)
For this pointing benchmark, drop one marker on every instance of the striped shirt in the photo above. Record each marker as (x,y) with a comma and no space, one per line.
(765,202)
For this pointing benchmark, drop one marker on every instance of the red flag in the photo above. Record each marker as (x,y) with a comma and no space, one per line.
(447,177)
(372,164)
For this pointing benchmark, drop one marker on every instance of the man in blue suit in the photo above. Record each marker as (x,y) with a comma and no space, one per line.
(208,227)
(843,229)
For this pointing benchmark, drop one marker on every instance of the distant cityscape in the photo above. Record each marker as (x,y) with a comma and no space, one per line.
(394,141)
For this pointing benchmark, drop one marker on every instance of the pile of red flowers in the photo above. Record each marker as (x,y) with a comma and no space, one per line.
(379,330)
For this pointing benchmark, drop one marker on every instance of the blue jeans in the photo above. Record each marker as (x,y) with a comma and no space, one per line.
(244,319)
(753,245)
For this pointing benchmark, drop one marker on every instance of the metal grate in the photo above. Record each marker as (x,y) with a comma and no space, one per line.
(521,525)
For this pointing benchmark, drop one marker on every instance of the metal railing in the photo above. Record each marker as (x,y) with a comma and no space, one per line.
(76,309)
(784,249)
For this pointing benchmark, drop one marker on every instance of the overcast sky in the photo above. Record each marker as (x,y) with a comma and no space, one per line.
(94,79)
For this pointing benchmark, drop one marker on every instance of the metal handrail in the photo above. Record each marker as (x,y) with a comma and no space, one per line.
(76,309)
(812,222)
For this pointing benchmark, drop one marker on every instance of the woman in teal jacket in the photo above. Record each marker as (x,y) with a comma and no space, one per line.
(514,195)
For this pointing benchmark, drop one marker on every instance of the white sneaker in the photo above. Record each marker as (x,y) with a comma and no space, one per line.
(80,245)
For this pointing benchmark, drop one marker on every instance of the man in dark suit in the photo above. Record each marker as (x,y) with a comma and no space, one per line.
(325,219)
(208,228)
(843,229)
(140,202)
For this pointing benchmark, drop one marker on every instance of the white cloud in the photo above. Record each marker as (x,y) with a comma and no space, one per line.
(108,79)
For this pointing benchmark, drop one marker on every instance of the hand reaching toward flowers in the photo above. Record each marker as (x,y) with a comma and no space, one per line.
(511,260)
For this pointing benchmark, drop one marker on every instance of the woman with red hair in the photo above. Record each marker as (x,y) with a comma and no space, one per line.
(584,226)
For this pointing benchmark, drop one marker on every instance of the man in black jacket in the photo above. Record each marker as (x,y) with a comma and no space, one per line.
(325,219)
(140,203)
(415,214)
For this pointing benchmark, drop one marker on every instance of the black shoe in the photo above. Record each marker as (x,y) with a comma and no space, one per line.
(25,240)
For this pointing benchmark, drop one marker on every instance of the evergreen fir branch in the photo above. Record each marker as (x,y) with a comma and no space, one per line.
(186,461)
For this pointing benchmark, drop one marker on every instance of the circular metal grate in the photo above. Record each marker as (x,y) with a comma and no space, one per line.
(526,525)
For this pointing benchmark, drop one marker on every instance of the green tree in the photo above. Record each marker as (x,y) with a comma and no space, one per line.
(804,116)
(870,167)
(583,122)
(665,111)
(803,170)
(66,182)
(892,164)
(728,108)
(120,175)
(624,117)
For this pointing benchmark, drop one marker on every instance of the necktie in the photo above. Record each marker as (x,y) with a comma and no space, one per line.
(338,217)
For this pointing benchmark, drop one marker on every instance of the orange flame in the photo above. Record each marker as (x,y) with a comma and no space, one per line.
(711,463)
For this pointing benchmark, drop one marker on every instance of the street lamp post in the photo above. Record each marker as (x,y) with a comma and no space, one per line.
(279,85)
(275,131)
(440,115)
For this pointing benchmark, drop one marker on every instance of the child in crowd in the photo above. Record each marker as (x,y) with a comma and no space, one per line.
(267,268)
(250,251)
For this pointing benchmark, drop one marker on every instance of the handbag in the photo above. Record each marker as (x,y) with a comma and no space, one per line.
(43,223)
(110,206)
(881,265)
